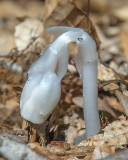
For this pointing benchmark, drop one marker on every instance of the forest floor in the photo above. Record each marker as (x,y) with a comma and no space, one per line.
(107,24)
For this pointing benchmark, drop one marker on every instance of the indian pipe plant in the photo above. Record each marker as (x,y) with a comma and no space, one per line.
(41,92)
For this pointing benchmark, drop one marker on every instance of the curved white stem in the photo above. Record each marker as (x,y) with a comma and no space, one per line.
(58,30)
(45,74)
(86,62)
(61,44)
(66,38)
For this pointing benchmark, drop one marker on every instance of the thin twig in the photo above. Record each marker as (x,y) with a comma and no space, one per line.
(88,11)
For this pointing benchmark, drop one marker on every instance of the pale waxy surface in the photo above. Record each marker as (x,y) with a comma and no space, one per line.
(41,92)
(86,63)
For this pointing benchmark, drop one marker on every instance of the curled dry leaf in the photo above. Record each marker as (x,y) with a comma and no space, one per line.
(101,151)
(121,13)
(26,31)
(50,5)
(104,106)
(13,10)
(78,101)
(125,93)
(123,100)
(105,73)
(66,13)
(115,136)
(41,151)
(111,87)
(57,13)
(6,39)
(114,103)
(121,70)
(71,134)
(57,147)
(33,136)
(68,98)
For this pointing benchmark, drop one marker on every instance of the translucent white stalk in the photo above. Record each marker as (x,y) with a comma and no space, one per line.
(63,54)
(41,92)
(86,62)
(90,95)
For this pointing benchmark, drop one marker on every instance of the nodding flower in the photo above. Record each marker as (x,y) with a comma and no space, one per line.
(41,92)
(86,63)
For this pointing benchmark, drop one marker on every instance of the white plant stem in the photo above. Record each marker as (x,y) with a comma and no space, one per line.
(90,101)
(42,89)
(86,63)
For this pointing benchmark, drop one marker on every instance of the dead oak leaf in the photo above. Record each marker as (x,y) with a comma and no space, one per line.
(123,100)
(115,136)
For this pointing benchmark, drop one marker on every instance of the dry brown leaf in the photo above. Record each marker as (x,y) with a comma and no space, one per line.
(13,9)
(104,106)
(99,5)
(67,13)
(78,101)
(115,136)
(5,128)
(101,151)
(42,151)
(105,73)
(124,42)
(66,152)
(121,13)
(6,41)
(57,147)
(71,134)
(125,93)
(113,102)
(68,98)
(26,31)
(55,118)
(10,76)
(123,100)
(32,136)
(111,87)
(49,7)
(59,13)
